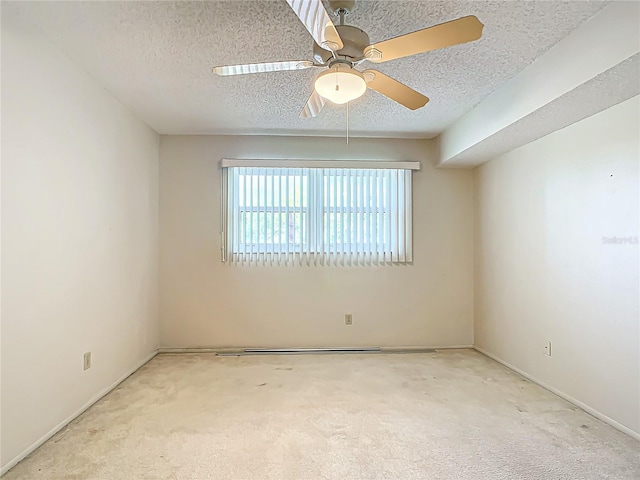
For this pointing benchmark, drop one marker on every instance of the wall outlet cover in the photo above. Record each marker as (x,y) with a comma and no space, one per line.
(87,360)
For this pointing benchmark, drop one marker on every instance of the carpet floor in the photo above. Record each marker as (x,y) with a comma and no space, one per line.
(451,414)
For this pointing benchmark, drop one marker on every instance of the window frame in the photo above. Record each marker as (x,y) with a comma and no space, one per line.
(314,235)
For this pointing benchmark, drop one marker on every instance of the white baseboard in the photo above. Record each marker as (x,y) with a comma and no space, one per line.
(14,461)
(577,403)
(231,350)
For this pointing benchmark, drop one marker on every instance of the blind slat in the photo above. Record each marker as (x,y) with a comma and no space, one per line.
(366,179)
(394,218)
(409,215)
(374,210)
(380,223)
(334,243)
(272,213)
(265,215)
(286,219)
(351,181)
(401,218)
(246,218)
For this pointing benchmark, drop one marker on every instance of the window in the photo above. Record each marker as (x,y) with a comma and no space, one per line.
(316,214)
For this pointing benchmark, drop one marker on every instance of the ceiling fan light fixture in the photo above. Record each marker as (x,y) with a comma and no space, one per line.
(340,84)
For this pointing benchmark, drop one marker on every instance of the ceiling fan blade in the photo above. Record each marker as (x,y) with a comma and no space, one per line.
(462,30)
(314,17)
(262,67)
(313,107)
(393,89)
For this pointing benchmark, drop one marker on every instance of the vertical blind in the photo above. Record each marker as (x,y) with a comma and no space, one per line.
(326,216)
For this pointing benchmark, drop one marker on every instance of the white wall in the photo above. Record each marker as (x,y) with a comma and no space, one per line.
(206,303)
(79,238)
(543,271)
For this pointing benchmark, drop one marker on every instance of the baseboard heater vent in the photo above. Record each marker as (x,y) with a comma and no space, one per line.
(320,351)
(299,351)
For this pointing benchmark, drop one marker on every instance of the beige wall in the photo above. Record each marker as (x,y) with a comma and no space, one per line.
(79,239)
(206,303)
(543,271)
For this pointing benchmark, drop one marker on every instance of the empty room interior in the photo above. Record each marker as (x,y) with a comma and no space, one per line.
(305,239)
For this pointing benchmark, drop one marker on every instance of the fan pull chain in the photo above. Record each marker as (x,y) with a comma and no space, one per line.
(348,122)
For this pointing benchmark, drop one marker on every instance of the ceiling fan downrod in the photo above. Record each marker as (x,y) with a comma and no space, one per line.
(341,8)
(341,13)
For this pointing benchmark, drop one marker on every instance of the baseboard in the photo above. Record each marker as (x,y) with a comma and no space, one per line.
(577,403)
(232,350)
(13,462)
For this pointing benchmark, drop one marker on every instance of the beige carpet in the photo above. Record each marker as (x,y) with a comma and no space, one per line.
(445,415)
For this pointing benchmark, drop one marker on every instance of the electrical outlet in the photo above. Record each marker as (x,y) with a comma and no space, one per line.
(547,348)
(87,360)
(348,319)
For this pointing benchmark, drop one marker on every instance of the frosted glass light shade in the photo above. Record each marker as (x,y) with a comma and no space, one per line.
(340,84)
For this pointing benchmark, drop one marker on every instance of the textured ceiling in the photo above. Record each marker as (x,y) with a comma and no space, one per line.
(156,58)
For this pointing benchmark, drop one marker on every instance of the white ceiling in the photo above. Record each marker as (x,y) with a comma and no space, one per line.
(156,58)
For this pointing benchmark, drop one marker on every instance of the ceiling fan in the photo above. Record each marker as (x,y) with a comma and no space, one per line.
(340,48)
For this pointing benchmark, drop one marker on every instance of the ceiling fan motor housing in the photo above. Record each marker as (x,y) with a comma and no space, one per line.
(354,39)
